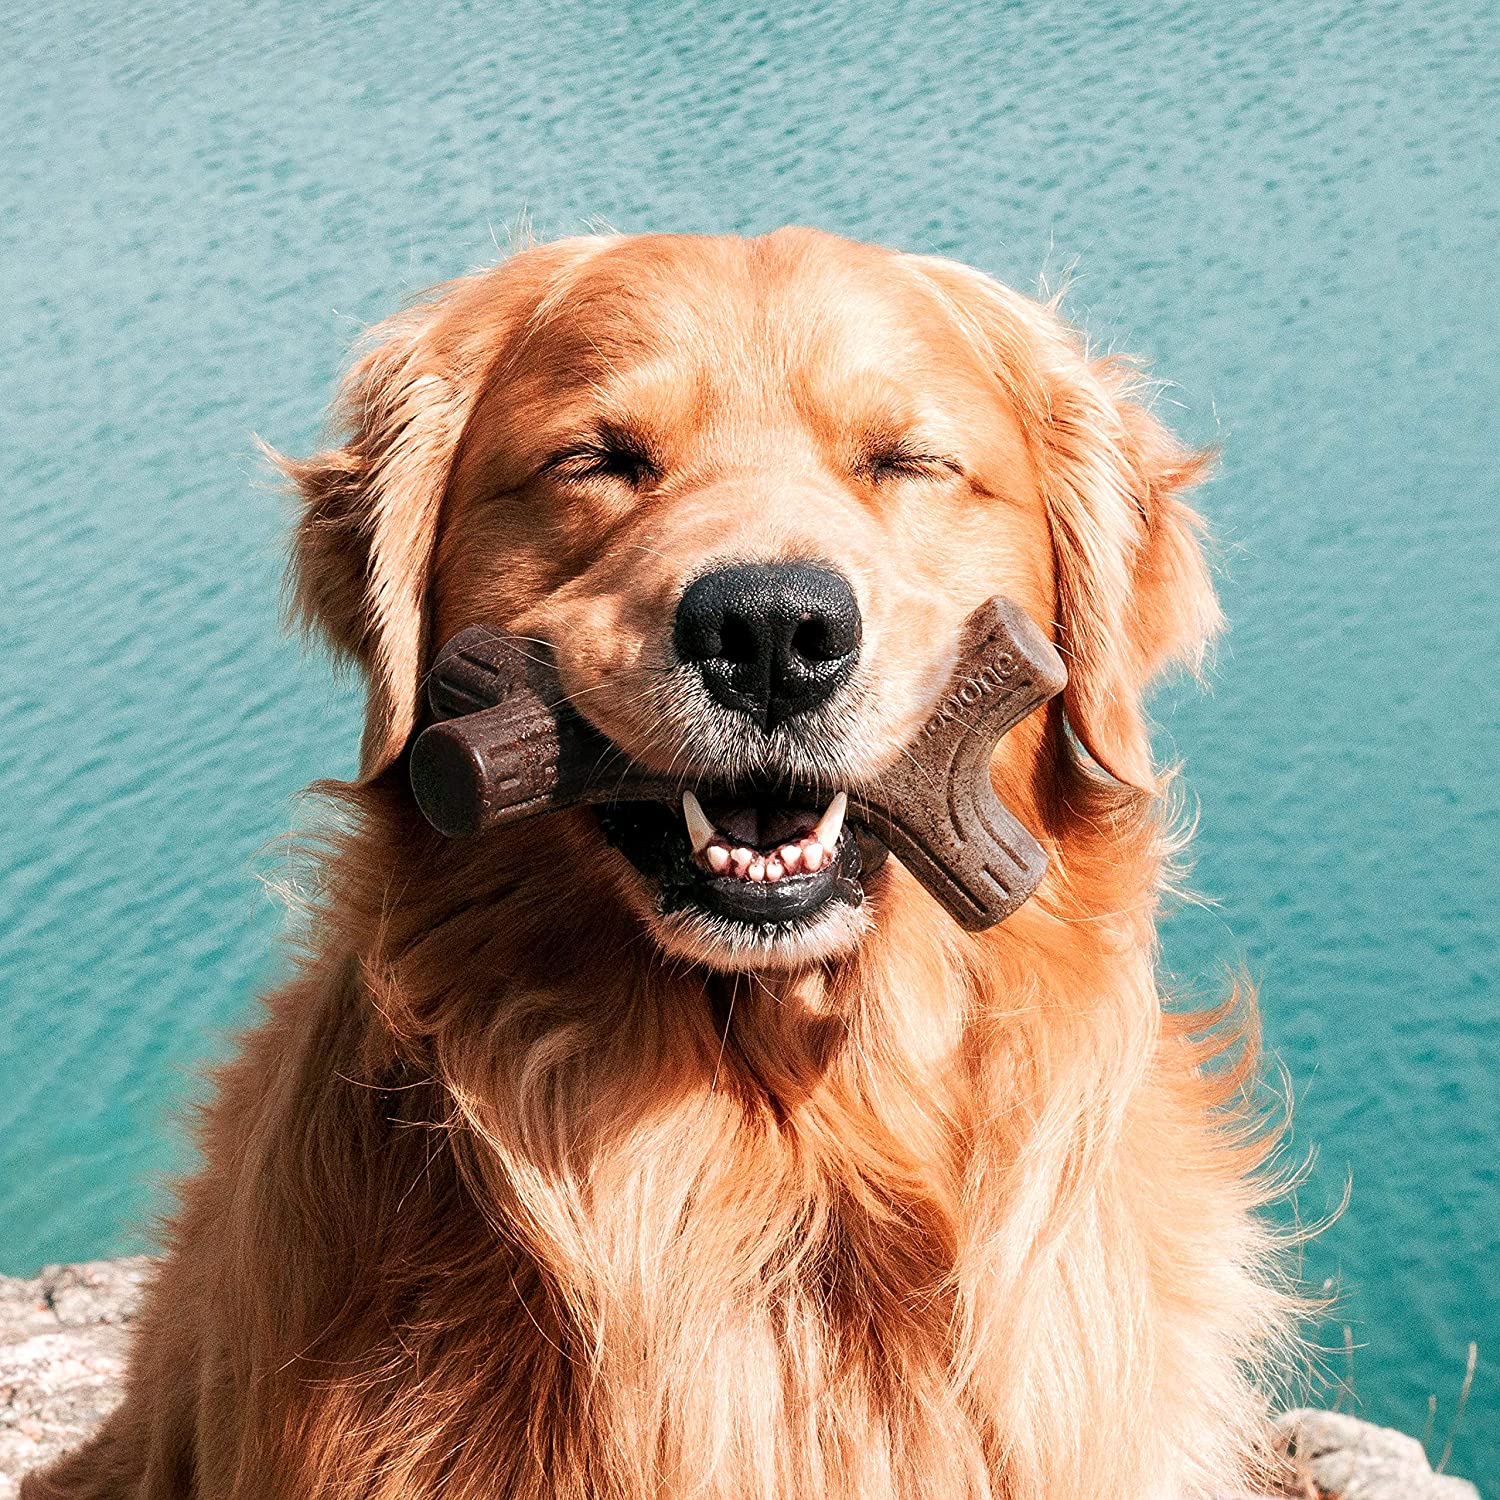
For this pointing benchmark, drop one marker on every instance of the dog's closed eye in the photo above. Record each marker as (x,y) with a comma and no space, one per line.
(610,453)
(884,459)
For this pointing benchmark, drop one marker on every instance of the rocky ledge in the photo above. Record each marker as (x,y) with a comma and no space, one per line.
(63,1337)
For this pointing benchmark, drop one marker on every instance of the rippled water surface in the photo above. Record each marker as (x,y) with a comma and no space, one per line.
(1293,213)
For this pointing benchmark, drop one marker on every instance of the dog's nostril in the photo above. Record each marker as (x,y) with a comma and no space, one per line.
(738,640)
(817,639)
(770,639)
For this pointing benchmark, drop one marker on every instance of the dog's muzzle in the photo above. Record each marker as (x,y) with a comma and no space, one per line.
(508,746)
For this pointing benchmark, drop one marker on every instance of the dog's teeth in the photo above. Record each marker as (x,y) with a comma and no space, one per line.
(700,830)
(831,824)
(810,853)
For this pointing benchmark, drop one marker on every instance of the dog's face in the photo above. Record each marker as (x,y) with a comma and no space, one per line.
(748,499)
(746,494)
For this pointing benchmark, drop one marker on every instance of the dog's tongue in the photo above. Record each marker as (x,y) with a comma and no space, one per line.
(761,826)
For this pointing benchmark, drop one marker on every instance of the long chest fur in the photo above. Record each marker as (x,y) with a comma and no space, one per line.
(823,1260)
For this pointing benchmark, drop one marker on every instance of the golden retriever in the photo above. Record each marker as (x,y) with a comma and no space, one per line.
(534,1184)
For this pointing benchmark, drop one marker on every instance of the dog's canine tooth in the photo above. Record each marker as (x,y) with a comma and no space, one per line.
(700,830)
(831,824)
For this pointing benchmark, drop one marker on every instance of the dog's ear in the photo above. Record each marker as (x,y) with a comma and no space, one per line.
(1133,590)
(362,551)
(1134,593)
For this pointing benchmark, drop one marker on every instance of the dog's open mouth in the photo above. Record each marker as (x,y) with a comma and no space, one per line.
(766,860)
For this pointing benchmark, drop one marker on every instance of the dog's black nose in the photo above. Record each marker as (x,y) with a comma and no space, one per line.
(770,639)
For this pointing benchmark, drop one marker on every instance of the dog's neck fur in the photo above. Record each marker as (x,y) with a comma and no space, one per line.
(771,1235)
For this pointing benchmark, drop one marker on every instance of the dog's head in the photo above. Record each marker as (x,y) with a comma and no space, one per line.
(746,492)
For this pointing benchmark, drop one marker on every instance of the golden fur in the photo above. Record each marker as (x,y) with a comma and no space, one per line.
(521,1190)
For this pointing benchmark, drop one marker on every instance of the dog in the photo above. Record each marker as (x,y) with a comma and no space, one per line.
(532,1184)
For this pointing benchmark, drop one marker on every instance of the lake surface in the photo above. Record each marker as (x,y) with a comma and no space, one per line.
(1293,214)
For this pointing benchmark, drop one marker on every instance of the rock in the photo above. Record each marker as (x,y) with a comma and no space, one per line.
(63,1338)
(1357,1460)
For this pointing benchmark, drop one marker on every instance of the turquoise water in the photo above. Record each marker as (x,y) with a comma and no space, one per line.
(1293,214)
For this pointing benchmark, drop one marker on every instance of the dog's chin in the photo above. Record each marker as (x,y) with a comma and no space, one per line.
(732,946)
(791,919)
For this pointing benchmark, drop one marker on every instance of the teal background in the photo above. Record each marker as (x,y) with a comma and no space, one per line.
(1291,208)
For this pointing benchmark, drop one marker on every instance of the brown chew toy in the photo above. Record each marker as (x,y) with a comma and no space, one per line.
(509,747)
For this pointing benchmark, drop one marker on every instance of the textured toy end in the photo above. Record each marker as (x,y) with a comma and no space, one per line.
(508,747)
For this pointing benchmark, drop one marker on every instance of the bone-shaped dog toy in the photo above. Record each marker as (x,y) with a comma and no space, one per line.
(508,746)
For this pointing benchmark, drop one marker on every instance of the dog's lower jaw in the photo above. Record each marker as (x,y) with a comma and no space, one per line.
(732,946)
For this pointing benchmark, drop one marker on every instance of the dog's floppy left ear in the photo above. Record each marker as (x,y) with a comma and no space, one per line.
(362,552)
(1133,590)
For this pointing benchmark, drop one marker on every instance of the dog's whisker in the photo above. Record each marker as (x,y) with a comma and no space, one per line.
(713,1082)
